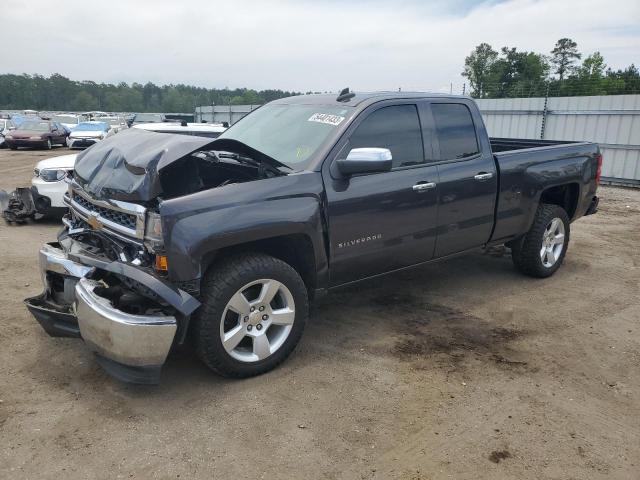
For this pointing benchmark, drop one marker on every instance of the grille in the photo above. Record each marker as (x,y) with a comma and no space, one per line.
(125,219)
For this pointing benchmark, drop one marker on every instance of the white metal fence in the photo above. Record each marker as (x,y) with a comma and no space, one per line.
(223,113)
(612,121)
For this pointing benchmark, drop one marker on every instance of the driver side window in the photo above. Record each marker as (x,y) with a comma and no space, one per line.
(397,128)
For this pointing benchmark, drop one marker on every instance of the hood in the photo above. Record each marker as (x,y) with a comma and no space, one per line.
(26,133)
(63,162)
(126,166)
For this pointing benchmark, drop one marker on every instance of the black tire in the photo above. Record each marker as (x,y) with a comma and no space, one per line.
(219,285)
(48,145)
(13,147)
(526,251)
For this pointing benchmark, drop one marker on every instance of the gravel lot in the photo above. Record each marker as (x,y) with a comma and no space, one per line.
(461,369)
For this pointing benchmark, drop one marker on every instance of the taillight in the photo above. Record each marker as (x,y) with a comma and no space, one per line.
(599,170)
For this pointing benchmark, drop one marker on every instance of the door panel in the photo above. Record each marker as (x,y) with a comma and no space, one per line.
(466,209)
(468,179)
(383,221)
(379,223)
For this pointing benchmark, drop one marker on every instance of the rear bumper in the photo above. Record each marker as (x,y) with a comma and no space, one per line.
(131,347)
(593,206)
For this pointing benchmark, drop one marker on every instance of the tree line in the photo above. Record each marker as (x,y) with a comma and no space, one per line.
(58,93)
(513,73)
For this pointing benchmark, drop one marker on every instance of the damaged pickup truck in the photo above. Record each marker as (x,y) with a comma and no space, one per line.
(224,243)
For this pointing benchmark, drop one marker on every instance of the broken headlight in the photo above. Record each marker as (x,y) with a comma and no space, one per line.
(51,175)
(153,231)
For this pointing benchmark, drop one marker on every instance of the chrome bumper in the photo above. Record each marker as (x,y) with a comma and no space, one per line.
(128,340)
(137,340)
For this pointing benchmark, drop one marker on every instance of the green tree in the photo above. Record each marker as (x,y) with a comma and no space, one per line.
(477,68)
(84,102)
(563,56)
(593,66)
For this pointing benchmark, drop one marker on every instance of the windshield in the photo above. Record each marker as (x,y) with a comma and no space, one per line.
(290,134)
(148,117)
(35,126)
(65,119)
(88,127)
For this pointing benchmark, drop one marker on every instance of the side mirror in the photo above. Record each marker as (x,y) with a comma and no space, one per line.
(365,160)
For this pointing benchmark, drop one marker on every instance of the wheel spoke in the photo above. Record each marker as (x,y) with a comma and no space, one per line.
(555,224)
(269,290)
(239,304)
(551,257)
(261,347)
(283,316)
(543,252)
(558,239)
(233,337)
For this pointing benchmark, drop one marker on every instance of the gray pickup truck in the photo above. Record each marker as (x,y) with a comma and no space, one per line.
(223,243)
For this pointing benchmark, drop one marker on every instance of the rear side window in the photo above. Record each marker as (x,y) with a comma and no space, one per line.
(396,128)
(455,130)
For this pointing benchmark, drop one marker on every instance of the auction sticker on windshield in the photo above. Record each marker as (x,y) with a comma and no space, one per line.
(326,118)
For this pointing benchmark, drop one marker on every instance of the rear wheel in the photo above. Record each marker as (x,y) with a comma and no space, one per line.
(253,314)
(13,147)
(540,252)
(48,145)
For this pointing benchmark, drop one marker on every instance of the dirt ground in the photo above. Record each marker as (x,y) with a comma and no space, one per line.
(461,369)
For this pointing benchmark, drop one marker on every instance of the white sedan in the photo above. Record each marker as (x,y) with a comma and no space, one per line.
(48,184)
(88,133)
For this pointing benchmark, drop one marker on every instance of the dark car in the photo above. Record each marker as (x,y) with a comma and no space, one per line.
(38,134)
(225,242)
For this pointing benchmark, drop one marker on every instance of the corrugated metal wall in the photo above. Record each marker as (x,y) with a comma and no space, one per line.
(223,113)
(612,121)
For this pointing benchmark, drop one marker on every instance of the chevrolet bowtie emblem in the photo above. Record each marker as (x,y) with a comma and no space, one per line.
(94,222)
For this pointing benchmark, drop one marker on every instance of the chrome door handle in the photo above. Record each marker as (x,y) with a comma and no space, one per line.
(420,187)
(483,176)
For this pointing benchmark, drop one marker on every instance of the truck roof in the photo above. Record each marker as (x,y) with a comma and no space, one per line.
(359,98)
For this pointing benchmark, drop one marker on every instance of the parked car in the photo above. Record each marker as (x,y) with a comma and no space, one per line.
(49,185)
(116,123)
(227,241)
(147,118)
(36,133)
(68,120)
(5,128)
(89,133)
(210,130)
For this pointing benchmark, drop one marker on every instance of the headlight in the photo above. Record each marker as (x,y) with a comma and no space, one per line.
(51,175)
(8,135)
(153,231)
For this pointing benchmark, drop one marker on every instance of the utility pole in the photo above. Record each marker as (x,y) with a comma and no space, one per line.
(544,113)
(464,87)
(451,88)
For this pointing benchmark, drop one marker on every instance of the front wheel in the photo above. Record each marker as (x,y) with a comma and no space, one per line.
(540,252)
(48,144)
(254,309)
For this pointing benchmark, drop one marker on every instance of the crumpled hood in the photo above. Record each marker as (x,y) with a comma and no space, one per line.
(125,166)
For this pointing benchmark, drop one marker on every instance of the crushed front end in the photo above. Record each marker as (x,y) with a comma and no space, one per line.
(104,284)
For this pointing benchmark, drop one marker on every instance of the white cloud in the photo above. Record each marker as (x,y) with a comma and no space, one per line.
(300,45)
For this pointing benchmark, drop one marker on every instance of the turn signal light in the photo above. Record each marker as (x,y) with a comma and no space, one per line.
(161,263)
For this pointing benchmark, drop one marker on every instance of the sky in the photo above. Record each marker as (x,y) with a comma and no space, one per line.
(300,45)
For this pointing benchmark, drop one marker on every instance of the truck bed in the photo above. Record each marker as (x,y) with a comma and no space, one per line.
(510,144)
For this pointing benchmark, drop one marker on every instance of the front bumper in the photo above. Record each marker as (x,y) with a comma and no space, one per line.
(25,142)
(81,142)
(131,347)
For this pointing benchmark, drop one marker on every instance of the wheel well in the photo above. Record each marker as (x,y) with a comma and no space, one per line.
(296,250)
(565,196)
